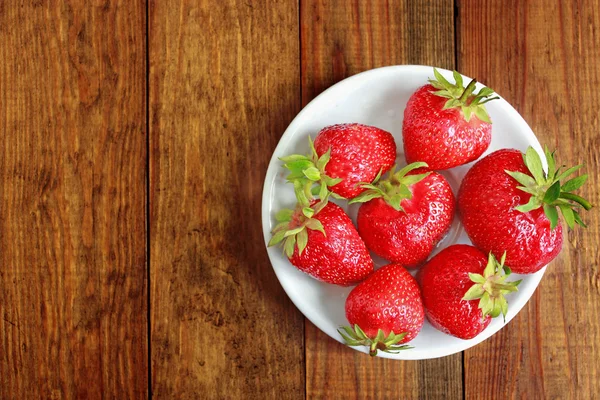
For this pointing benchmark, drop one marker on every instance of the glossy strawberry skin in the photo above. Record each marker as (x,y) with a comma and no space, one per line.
(390,300)
(441,138)
(409,237)
(487,199)
(358,153)
(341,256)
(444,281)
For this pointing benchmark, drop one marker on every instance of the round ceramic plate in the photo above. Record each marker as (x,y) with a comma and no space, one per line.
(378,97)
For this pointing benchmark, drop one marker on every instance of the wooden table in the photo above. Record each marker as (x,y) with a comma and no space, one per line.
(135,139)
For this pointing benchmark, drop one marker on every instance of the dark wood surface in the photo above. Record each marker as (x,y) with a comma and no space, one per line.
(224,84)
(136,136)
(552,348)
(73,284)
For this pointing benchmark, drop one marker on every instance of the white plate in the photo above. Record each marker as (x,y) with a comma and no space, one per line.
(378,97)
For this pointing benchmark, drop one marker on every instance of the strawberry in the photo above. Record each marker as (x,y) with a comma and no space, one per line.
(342,156)
(454,280)
(404,217)
(445,124)
(384,311)
(321,241)
(509,204)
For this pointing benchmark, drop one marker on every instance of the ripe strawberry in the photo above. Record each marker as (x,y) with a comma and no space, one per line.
(321,241)
(384,310)
(509,204)
(445,124)
(343,156)
(453,280)
(405,216)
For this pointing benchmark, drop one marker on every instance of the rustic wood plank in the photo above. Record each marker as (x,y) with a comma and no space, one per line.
(339,39)
(72,200)
(224,84)
(541,56)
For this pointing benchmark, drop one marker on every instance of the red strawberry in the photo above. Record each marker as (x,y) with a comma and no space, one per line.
(321,241)
(344,155)
(509,204)
(384,310)
(453,280)
(446,125)
(405,216)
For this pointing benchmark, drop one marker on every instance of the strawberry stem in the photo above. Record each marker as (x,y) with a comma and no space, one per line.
(467,92)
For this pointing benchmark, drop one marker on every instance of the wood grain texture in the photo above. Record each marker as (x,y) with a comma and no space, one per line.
(542,57)
(224,84)
(339,39)
(72,199)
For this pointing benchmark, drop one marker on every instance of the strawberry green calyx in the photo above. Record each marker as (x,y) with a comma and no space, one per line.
(394,189)
(309,169)
(491,288)
(387,344)
(460,97)
(548,192)
(293,225)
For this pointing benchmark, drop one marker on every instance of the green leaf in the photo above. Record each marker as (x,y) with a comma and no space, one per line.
(574,183)
(412,179)
(439,77)
(410,167)
(534,164)
(315,225)
(323,160)
(484,304)
(467,112)
(302,240)
(284,215)
(312,173)
(550,162)
(300,194)
(552,215)
(503,307)
(312,146)
(578,219)
(507,270)
(405,192)
(366,196)
(277,237)
(532,204)
(395,201)
(457,78)
(523,179)
(482,114)
(567,212)
(289,245)
(308,212)
(552,193)
(485,91)
(294,231)
(528,190)
(323,191)
(568,172)
(476,278)
(502,259)
(359,332)
(451,103)
(331,181)
(299,165)
(475,292)
(488,100)
(380,336)
(577,199)
(293,157)
(490,268)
